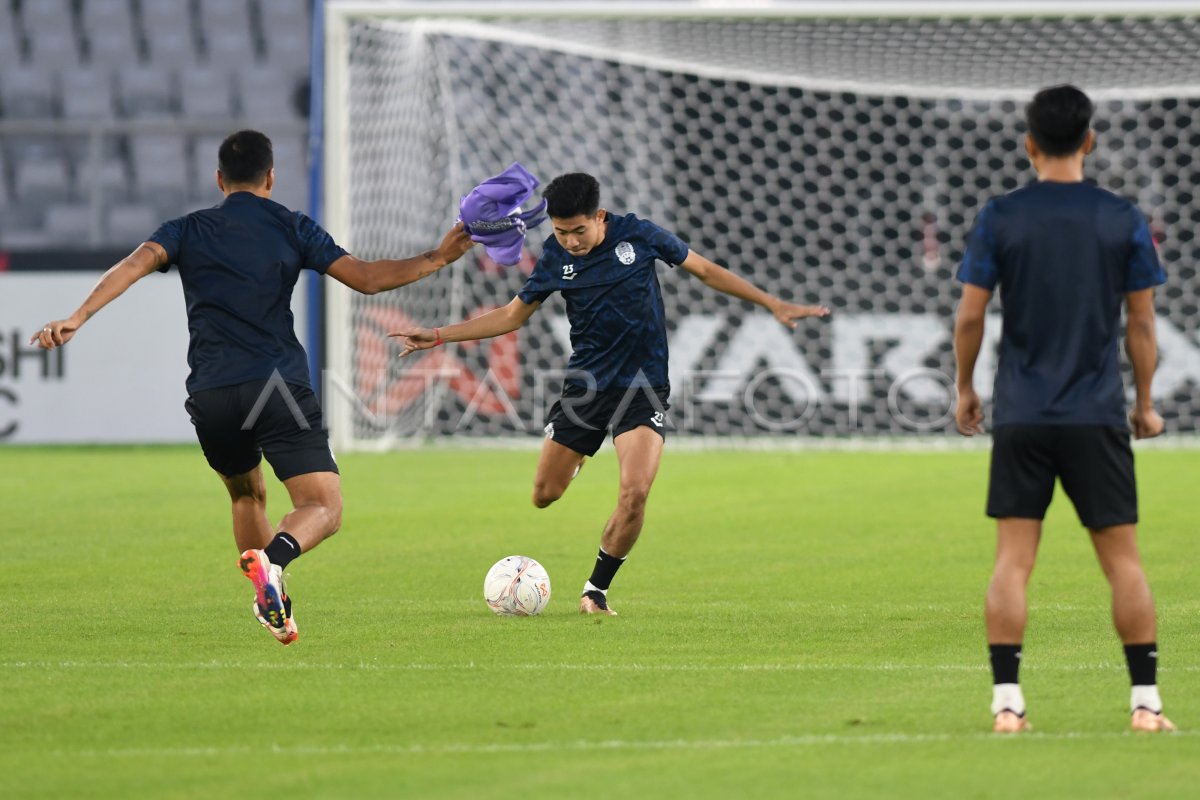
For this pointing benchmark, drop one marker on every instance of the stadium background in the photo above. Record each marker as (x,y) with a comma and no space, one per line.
(835,162)
(796,623)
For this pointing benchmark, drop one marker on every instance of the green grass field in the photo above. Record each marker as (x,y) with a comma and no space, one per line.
(792,625)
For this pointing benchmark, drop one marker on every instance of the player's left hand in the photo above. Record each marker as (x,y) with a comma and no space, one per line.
(788,313)
(55,334)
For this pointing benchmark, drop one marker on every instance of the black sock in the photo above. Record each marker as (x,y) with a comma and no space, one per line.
(605,570)
(1143,663)
(1006,662)
(282,549)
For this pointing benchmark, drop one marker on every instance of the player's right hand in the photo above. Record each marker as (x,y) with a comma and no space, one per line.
(456,242)
(415,339)
(55,334)
(968,415)
(1146,423)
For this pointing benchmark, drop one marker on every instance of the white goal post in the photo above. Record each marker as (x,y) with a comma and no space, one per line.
(832,152)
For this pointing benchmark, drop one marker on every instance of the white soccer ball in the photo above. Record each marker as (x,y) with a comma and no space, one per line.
(517,586)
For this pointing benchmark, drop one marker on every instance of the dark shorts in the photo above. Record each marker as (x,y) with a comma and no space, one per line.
(237,425)
(581,422)
(1094,463)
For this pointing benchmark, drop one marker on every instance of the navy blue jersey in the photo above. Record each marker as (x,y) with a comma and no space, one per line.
(1064,254)
(614,303)
(239,262)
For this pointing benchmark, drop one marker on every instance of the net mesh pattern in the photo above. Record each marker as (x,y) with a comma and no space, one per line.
(968,57)
(858,200)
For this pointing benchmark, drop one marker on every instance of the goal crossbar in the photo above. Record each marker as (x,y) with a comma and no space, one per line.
(817,9)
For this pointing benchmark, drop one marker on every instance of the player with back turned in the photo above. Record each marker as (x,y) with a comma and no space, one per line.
(248,391)
(603,265)
(1066,256)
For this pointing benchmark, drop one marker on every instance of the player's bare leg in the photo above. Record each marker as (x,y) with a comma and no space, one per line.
(316,508)
(557,466)
(1006,613)
(1006,610)
(639,452)
(1134,619)
(248,491)
(316,515)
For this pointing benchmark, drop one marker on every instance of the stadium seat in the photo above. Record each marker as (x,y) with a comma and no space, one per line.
(287,33)
(5,192)
(168,29)
(206,92)
(132,224)
(291,173)
(109,30)
(160,171)
(50,26)
(107,181)
(216,15)
(88,94)
(234,46)
(267,93)
(10,40)
(70,224)
(82,150)
(40,182)
(203,169)
(228,35)
(43,15)
(22,237)
(147,91)
(28,92)
(288,16)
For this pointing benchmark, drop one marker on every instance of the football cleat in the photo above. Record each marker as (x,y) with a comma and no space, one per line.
(288,633)
(595,603)
(1143,719)
(271,605)
(1009,721)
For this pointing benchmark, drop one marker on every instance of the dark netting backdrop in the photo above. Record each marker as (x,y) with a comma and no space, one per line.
(835,162)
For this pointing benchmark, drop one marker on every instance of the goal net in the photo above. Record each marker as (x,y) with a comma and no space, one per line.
(829,159)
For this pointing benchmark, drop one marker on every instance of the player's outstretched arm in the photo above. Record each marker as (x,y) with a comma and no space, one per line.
(494,323)
(148,257)
(968,339)
(1141,343)
(721,279)
(372,277)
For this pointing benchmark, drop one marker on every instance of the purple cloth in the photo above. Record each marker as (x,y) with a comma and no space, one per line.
(492,213)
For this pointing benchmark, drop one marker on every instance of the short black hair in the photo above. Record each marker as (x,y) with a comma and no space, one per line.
(571,195)
(1059,118)
(245,158)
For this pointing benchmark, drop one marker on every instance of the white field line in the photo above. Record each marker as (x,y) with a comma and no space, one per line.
(815,740)
(468,666)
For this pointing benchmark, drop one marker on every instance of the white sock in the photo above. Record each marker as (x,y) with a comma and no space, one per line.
(1008,697)
(588,587)
(1145,697)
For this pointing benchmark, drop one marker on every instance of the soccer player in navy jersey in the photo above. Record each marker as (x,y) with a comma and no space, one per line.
(603,264)
(248,390)
(1065,255)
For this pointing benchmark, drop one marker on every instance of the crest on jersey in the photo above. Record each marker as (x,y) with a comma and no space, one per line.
(625,253)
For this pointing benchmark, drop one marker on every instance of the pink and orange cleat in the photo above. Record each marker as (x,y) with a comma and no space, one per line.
(272,607)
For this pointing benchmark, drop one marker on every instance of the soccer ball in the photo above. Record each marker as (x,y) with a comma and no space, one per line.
(517,586)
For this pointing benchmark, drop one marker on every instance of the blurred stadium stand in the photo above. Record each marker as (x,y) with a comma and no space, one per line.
(111,111)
